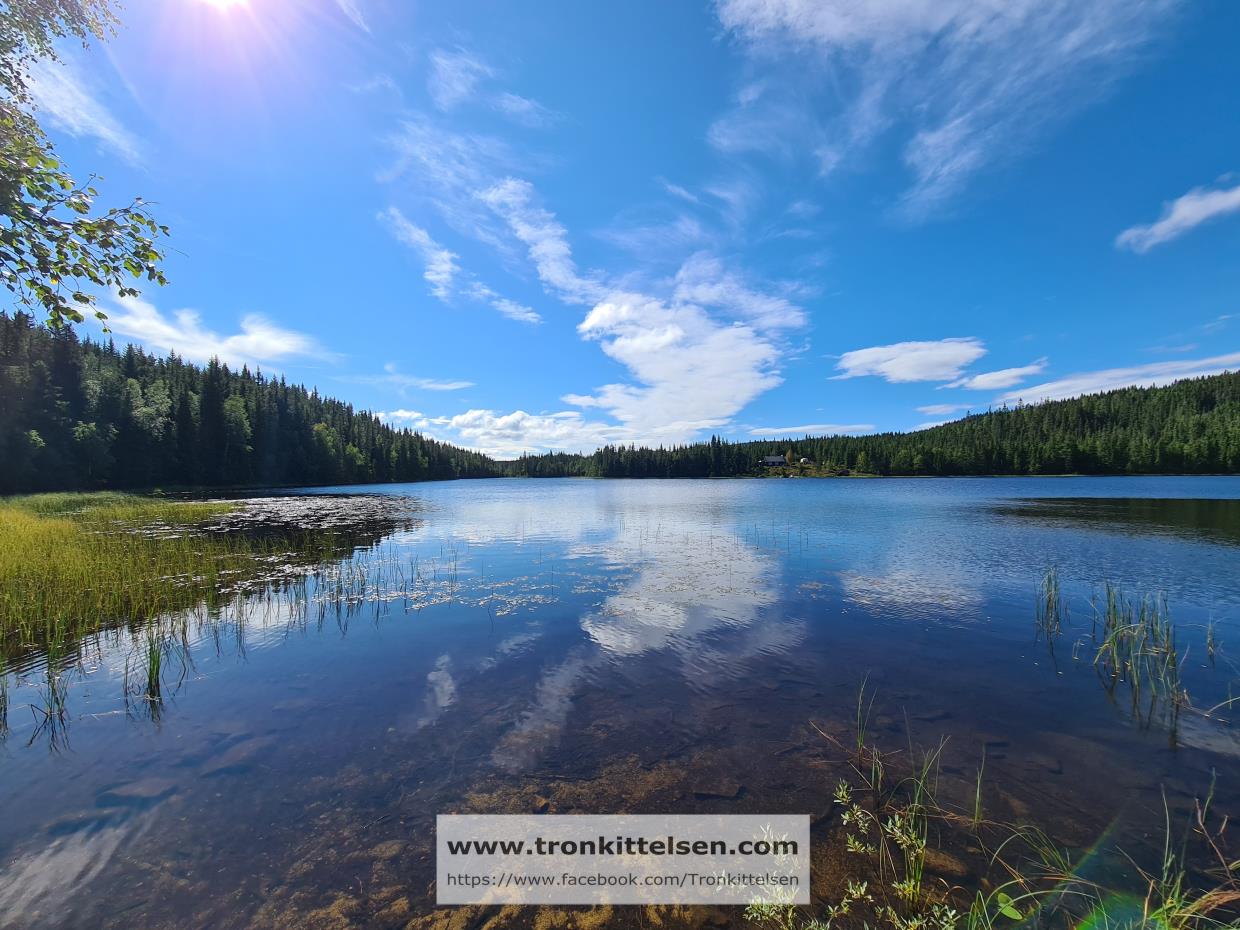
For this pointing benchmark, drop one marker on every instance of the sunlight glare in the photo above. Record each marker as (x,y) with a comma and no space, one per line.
(225,4)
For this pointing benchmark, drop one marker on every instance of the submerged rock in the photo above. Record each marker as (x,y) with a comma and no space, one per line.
(723,788)
(138,793)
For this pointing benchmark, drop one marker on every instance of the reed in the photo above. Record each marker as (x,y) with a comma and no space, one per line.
(1052,612)
(71,564)
(1138,647)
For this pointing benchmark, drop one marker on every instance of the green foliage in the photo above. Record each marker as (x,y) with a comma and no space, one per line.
(1191,427)
(55,246)
(75,414)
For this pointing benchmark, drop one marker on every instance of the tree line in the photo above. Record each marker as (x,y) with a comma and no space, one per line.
(77,414)
(1190,427)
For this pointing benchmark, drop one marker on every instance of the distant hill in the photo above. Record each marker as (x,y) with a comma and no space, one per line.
(1191,426)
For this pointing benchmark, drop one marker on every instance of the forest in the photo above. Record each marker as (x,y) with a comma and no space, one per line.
(1190,427)
(77,414)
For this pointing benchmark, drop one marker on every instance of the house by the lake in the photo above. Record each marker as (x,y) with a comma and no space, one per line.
(771,461)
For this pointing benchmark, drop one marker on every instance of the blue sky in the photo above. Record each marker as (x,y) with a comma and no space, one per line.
(529,226)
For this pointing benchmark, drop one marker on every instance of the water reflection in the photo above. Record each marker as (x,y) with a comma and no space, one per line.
(1217,520)
(591,646)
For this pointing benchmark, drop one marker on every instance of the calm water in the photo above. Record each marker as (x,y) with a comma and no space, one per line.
(612,646)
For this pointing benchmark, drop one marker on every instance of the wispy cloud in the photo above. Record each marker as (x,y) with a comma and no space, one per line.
(943,410)
(1151,375)
(259,342)
(392,376)
(523,110)
(703,279)
(454,77)
(458,76)
(656,239)
(443,271)
(814,429)
(509,308)
(353,10)
(994,380)
(1185,213)
(963,85)
(680,192)
(61,95)
(514,200)
(941,360)
(696,348)
(441,263)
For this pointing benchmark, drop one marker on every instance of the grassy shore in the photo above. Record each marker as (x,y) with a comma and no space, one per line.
(73,563)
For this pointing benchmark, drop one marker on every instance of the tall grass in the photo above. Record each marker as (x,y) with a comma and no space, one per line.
(71,564)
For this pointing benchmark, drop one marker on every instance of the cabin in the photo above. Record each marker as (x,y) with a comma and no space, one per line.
(771,461)
(805,461)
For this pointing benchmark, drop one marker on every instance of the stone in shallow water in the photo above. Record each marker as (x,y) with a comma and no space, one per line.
(725,788)
(239,756)
(138,793)
(387,850)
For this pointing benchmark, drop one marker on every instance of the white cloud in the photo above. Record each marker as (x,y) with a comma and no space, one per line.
(994,380)
(656,240)
(523,110)
(704,280)
(441,263)
(454,77)
(964,84)
(61,96)
(1181,215)
(693,373)
(943,410)
(690,369)
(913,361)
(1151,375)
(259,342)
(509,308)
(813,429)
(682,193)
(402,417)
(513,200)
(442,270)
(353,10)
(507,435)
(393,377)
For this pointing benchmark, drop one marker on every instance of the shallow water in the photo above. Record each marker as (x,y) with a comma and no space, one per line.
(604,647)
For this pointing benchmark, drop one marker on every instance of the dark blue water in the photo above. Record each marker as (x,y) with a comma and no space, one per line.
(616,646)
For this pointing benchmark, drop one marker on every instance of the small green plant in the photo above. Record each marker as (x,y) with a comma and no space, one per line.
(1138,647)
(1052,612)
(977,792)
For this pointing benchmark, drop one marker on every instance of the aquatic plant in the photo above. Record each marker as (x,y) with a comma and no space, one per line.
(1052,611)
(1017,875)
(1138,646)
(977,792)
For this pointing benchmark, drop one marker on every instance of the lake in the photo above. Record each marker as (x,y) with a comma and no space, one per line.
(591,646)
